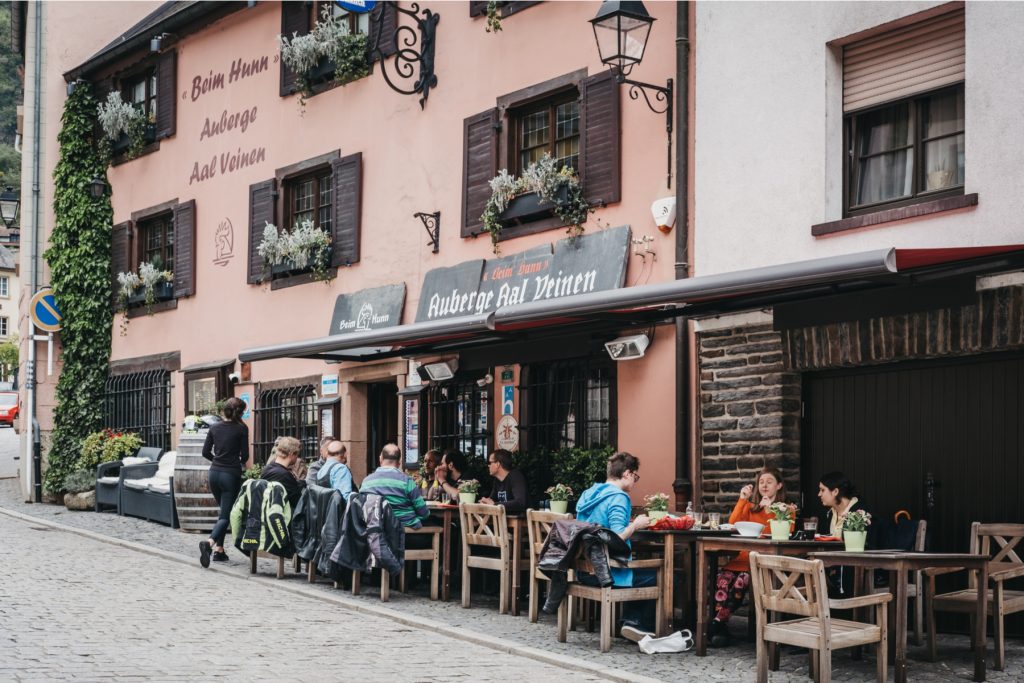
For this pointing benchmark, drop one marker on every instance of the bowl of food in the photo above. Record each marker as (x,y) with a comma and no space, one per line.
(749,528)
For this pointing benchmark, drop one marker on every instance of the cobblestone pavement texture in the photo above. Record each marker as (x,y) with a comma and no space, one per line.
(736,663)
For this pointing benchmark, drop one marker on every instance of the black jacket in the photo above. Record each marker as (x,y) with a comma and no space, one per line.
(566,540)
(227,446)
(371,536)
(307,519)
(511,493)
(333,516)
(281,474)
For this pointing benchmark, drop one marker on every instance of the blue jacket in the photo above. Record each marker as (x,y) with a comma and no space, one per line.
(609,506)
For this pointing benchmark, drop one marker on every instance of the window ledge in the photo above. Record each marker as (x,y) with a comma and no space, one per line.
(139,311)
(894,215)
(300,279)
(122,157)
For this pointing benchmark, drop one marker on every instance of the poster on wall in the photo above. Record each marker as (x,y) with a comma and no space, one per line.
(326,422)
(412,431)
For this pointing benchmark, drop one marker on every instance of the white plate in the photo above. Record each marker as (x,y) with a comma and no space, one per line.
(726,527)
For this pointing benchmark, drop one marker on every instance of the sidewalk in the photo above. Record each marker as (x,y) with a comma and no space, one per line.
(737,663)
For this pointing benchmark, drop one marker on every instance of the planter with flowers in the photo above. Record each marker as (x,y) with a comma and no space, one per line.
(306,247)
(560,495)
(125,128)
(144,288)
(855,529)
(542,190)
(782,518)
(657,505)
(328,50)
(468,489)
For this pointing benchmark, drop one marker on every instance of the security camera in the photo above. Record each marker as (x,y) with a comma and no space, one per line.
(234,378)
(485,380)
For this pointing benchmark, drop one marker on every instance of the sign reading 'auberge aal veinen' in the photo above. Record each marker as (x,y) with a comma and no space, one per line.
(368,309)
(590,263)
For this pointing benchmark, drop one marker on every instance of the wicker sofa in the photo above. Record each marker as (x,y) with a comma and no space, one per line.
(147,491)
(108,477)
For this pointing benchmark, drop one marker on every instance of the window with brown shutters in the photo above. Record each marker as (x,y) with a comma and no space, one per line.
(903,100)
(151,87)
(572,118)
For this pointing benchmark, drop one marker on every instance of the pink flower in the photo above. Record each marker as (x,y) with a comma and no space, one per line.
(723,581)
(721,595)
(741,582)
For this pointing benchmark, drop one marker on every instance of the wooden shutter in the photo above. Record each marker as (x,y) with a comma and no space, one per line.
(477,9)
(904,62)
(261,212)
(347,177)
(166,94)
(386,28)
(479,165)
(600,162)
(184,249)
(120,254)
(295,18)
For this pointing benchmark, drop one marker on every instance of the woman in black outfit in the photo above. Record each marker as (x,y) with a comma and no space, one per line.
(227,449)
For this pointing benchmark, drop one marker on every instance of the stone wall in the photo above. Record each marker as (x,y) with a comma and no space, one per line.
(750,411)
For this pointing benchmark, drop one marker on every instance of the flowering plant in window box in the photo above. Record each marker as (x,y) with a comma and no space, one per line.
(125,127)
(542,189)
(328,48)
(306,247)
(146,287)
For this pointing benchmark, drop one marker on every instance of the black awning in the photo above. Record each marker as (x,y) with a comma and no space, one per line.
(661,302)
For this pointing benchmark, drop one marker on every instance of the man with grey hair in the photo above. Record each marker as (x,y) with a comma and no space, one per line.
(314,468)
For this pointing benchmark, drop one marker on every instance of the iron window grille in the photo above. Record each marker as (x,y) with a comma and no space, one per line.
(459,416)
(140,402)
(290,411)
(569,404)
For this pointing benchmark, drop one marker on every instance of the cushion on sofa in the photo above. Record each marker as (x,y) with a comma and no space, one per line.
(108,480)
(131,460)
(166,468)
(160,486)
(138,484)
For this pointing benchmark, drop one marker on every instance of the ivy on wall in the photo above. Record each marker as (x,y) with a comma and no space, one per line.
(79,260)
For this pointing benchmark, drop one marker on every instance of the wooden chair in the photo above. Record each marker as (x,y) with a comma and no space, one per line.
(998,541)
(485,526)
(609,596)
(259,553)
(790,585)
(539,526)
(432,554)
(915,585)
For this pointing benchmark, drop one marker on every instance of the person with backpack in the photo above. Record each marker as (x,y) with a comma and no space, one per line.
(334,473)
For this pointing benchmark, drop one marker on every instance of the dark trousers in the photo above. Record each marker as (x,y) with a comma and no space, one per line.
(636,613)
(224,486)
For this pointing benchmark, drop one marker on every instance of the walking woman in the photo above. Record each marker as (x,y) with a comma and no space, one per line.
(227,449)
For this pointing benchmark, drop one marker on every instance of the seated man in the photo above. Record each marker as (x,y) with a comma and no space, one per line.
(314,468)
(335,473)
(509,488)
(608,505)
(449,473)
(398,488)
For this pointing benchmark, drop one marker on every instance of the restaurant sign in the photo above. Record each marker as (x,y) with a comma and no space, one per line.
(589,263)
(368,309)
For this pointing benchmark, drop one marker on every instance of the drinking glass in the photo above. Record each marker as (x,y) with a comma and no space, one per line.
(811,525)
(698,519)
(714,518)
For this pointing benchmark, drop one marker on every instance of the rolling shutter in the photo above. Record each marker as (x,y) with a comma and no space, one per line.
(261,212)
(120,254)
(904,62)
(386,28)
(347,177)
(600,164)
(166,91)
(479,165)
(184,249)
(295,17)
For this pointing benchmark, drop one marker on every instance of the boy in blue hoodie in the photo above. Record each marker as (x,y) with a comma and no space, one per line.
(608,505)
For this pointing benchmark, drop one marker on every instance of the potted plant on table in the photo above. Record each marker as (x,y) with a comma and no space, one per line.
(855,529)
(782,518)
(560,495)
(657,505)
(468,489)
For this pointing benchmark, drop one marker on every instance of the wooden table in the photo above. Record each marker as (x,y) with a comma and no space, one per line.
(898,564)
(668,538)
(445,512)
(517,525)
(708,549)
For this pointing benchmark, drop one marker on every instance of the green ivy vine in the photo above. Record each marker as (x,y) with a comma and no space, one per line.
(79,260)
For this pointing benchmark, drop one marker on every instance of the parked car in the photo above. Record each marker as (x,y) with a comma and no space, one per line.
(8,407)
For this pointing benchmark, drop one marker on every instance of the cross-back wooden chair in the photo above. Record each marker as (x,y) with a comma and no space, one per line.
(485,526)
(1001,542)
(790,585)
(539,525)
(609,596)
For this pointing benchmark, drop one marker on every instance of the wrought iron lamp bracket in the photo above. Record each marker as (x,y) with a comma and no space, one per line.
(406,56)
(660,104)
(432,224)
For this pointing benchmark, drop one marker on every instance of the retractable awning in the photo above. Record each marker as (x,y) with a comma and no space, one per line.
(660,302)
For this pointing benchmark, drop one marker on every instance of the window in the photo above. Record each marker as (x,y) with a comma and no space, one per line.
(357,23)
(5,284)
(156,241)
(907,151)
(141,92)
(204,387)
(549,127)
(310,199)
(458,413)
(569,404)
(289,411)
(3,327)
(140,402)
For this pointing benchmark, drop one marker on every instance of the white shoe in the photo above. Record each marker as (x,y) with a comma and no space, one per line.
(633,633)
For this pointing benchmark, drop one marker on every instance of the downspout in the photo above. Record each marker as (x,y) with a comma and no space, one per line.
(31,479)
(683,485)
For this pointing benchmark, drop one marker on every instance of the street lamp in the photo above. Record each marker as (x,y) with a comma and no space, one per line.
(10,203)
(97,187)
(621,30)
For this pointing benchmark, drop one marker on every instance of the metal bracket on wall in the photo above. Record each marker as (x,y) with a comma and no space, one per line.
(406,56)
(661,95)
(432,224)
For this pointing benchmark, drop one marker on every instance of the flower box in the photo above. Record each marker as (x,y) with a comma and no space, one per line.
(282,270)
(162,291)
(123,142)
(530,207)
(323,71)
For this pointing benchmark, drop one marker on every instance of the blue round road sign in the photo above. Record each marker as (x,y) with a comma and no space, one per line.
(44,311)
(356,6)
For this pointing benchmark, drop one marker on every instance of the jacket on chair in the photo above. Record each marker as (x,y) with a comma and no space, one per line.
(261,517)
(371,536)
(566,540)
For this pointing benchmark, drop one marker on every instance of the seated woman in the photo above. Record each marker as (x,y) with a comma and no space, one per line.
(430,488)
(839,496)
(335,473)
(449,473)
(733,580)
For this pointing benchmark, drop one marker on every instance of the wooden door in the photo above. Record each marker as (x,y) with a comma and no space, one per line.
(382,416)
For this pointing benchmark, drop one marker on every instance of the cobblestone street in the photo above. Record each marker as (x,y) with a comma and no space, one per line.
(77,603)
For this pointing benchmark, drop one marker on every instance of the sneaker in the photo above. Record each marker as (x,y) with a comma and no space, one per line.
(630,632)
(204,553)
(220,556)
(718,634)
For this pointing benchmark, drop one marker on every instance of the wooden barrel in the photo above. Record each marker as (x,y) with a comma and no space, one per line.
(197,508)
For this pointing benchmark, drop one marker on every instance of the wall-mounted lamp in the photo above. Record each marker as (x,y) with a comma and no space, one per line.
(438,372)
(485,380)
(10,205)
(97,187)
(628,348)
(156,43)
(73,85)
(621,30)
(432,224)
